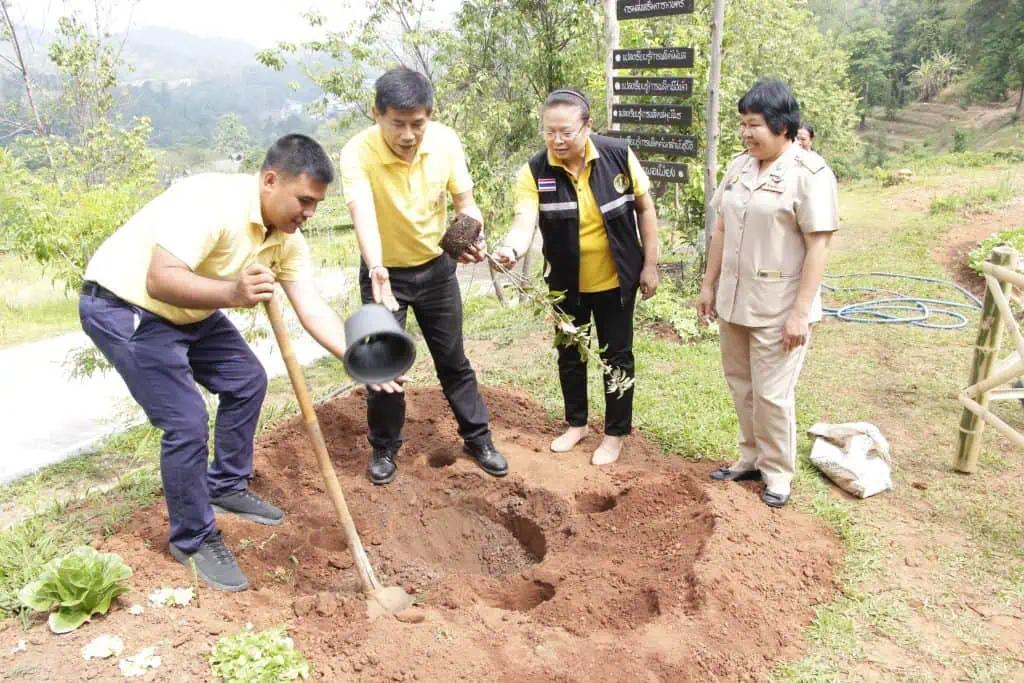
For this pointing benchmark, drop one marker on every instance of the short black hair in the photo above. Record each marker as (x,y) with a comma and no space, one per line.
(293,155)
(403,89)
(568,97)
(809,128)
(773,100)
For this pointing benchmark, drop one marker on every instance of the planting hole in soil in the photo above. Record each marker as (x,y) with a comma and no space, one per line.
(558,572)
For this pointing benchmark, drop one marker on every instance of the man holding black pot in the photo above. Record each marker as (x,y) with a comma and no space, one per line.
(395,177)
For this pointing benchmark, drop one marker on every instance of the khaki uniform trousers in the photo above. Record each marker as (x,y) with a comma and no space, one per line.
(762,378)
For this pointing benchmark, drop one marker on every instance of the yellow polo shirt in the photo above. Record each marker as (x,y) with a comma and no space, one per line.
(212,222)
(409,198)
(597,265)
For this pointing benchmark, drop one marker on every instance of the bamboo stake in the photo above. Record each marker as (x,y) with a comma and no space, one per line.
(1004,309)
(986,349)
(994,380)
(988,416)
(1004,274)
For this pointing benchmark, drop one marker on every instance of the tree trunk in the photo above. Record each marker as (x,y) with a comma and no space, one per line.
(711,136)
(27,80)
(1020,101)
(40,130)
(611,30)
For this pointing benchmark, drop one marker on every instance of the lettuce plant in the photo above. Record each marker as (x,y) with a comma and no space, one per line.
(80,584)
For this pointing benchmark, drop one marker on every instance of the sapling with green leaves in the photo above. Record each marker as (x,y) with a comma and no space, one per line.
(464,231)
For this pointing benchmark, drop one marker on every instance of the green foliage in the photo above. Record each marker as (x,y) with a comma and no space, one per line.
(995,35)
(79,584)
(974,200)
(933,74)
(758,43)
(671,307)
(63,195)
(1013,238)
(230,136)
(870,46)
(258,657)
(960,139)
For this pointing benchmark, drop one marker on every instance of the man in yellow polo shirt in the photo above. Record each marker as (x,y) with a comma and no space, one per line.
(150,304)
(396,176)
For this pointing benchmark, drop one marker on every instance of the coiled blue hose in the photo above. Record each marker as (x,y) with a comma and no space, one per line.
(901,309)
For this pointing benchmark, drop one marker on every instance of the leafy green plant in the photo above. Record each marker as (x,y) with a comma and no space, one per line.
(543,302)
(80,584)
(977,199)
(1013,238)
(672,308)
(258,657)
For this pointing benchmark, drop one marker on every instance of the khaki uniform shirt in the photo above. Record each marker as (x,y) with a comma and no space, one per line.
(766,216)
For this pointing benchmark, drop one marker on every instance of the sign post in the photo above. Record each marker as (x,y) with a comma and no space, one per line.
(673,115)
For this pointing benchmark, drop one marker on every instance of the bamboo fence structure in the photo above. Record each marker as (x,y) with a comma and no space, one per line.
(1001,276)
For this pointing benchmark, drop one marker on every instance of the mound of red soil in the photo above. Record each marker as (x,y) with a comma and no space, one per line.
(644,570)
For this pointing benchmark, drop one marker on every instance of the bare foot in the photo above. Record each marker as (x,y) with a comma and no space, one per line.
(609,450)
(566,442)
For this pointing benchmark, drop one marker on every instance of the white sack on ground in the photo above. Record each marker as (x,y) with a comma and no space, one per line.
(854,455)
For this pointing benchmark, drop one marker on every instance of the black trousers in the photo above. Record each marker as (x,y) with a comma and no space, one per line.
(432,291)
(613,320)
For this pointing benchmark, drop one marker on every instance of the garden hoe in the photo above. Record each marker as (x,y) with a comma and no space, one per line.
(383,599)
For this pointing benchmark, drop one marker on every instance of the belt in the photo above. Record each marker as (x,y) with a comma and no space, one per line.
(99,291)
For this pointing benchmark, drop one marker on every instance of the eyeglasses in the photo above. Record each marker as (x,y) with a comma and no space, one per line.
(564,135)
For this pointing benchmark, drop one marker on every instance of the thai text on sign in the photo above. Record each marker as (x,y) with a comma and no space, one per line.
(653,58)
(666,170)
(679,87)
(673,145)
(669,114)
(638,9)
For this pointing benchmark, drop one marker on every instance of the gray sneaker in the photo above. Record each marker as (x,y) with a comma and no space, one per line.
(215,564)
(249,506)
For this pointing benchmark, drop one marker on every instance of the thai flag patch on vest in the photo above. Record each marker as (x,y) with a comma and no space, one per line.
(545,184)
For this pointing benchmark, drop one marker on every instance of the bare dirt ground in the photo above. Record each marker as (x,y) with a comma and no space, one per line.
(559,572)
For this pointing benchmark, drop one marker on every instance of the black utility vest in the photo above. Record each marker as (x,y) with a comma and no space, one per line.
(560,217)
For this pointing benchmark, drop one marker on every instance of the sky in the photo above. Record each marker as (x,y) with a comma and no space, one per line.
(260,22)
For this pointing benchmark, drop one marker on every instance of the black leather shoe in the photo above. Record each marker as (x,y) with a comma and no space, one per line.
(488,457)
(725,474)
(774,500)
(382,467)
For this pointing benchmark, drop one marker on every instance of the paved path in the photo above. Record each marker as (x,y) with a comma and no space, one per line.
(46,417)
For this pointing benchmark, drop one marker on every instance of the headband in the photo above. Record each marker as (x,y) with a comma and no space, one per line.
(573,93)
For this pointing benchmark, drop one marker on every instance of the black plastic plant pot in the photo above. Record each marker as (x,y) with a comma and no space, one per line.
(378,350)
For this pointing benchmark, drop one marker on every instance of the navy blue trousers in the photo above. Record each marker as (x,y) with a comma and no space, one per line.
(161,363)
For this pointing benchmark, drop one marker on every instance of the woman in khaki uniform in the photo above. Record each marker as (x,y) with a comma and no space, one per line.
(777,210)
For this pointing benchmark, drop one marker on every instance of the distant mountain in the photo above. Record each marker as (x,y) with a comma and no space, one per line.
(185,82)
(164,54)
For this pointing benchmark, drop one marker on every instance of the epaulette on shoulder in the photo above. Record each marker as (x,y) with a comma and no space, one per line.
(811,161)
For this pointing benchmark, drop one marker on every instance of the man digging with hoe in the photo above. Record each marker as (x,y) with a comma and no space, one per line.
(150,303)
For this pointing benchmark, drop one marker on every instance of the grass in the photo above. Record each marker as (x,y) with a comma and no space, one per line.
(31,306)
(922,564)
(975,200)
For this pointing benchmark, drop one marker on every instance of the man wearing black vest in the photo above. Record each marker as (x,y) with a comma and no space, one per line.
(591,195)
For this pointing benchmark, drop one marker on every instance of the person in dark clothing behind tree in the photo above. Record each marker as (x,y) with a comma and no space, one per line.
(592,195)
